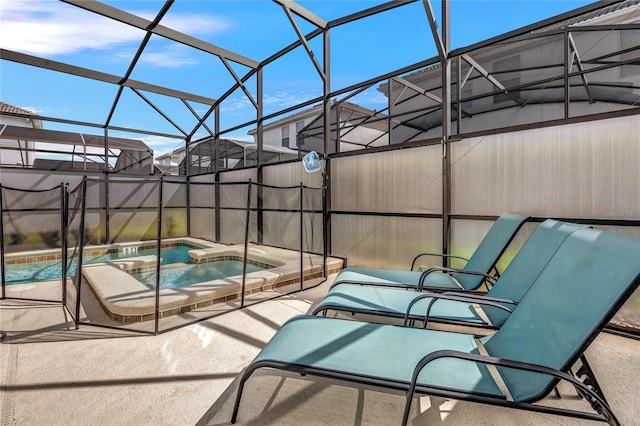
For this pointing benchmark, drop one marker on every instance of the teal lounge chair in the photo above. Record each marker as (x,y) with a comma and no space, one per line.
(489,310)
(588,279)
(482,261)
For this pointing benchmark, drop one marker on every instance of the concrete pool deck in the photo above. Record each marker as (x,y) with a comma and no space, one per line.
(55,375)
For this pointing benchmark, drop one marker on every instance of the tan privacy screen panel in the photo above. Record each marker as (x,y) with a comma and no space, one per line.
(585,170)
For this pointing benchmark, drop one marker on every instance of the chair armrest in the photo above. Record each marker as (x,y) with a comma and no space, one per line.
(448,256)
(497,303)
(378,284)
(433,269)
(480,297)
(597,402)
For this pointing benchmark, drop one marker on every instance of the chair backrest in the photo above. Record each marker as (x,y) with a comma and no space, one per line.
(528,263)
(585,283)
(490,249)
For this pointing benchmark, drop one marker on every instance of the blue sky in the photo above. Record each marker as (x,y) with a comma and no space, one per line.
(254,29)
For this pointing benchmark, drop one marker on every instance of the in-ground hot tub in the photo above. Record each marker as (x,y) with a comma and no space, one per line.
(120,289)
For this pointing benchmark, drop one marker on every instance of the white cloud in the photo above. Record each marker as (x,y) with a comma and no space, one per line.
(174,56)
(44,27)
(159,143)
(370,99)
(53,28)
(287,99)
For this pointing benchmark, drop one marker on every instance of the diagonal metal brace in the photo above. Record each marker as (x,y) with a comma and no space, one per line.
(303,39)
(492,79)
(442,52)
(575,58)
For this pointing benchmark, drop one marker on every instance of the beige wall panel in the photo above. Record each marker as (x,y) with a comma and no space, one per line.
(204,178)
(174,222)
(31,230)
(289,174)
(583,170)
(242,175)
(289,198)
(283,230)
(283,198)
(203,195)
(466,235)
(235,195)
(232,226)
(406,180)
(174,194)
(94,227)
(28,179)
(133,195)
(384,242)
(128,226)
(203,223)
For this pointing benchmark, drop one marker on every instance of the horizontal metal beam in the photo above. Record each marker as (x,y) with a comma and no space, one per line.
(369,12)
(303,13)
(48,64)
(88,124)
(146,25)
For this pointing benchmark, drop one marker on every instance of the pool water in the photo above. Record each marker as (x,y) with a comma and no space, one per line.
(50,270)
(183,276)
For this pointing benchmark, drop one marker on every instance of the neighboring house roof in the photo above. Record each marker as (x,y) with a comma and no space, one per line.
(613,12)
(68,138)
(312,112)
(11,109)
(599,15)
(244,152)
(209,146)
(172,153)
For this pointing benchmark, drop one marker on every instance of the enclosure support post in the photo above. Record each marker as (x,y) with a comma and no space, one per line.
(83,208)
(187,142)
(158,254)
(216,200)
(446,131)
(458,95)
(106,187)
(246,244)
(389,106)
(567,92)
(64,240)
(107,214)
(326,79)
(260,159)
(2,269)
(188,206)
(216,156)
(302,235)
(325,216)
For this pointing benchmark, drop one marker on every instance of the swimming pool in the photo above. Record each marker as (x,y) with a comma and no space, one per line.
(26,269)
(207,280)
(182,276)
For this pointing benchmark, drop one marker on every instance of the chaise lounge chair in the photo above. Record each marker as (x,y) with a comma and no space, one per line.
(588,279)
(482,261)
(489,310)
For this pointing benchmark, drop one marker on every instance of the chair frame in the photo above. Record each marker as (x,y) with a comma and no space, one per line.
(603,411)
